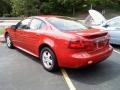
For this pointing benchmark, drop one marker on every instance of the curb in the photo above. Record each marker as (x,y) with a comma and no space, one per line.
(2,39)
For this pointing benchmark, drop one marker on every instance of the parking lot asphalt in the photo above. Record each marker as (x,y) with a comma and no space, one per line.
(21,71)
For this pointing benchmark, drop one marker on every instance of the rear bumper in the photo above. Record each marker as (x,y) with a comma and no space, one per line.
(83,58)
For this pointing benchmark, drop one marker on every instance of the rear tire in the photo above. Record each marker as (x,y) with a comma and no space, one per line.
(9,41)
(48,59)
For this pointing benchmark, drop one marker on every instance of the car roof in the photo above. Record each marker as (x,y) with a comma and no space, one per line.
(47,16)
(116,17)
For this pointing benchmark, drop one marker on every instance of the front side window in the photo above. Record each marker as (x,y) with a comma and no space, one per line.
(66,24)
(24,24)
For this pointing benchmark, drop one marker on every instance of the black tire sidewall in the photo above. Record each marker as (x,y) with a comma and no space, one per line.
(55,64)
(11,44)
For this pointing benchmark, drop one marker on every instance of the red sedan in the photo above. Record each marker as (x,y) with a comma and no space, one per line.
(59,41)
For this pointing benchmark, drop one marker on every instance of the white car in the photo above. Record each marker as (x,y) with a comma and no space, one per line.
(98,21)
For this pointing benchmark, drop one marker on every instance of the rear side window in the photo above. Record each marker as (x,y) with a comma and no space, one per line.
(37,24)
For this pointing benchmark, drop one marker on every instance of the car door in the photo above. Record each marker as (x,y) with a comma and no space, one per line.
(113,27)
(34,35)
(20,32)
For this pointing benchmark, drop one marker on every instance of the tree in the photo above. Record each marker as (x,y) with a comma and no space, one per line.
(61,7)
(17,7)
(25,7)
(5,7)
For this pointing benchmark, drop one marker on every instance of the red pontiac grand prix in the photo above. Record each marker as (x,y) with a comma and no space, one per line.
(59,41)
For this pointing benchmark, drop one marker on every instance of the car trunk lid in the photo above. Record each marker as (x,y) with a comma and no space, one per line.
(92,39)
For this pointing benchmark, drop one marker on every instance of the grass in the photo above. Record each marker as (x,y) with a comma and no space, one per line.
(1,30)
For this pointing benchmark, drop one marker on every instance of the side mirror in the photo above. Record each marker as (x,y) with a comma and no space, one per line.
(14,27)
(106,25)
(25,27)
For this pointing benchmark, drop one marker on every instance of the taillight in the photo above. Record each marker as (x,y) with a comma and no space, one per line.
(76,44)
(108,38)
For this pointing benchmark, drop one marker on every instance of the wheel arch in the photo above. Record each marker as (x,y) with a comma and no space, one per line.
(50,47)
(46,42)
(6,34)
(45,45)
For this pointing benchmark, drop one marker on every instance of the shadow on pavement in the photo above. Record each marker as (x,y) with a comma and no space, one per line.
(96,74)
(37,60)
(116,46)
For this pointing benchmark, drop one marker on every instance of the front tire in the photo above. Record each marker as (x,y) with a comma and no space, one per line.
(48,59)
(9,41)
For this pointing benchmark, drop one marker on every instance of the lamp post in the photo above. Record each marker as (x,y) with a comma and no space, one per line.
(91,5)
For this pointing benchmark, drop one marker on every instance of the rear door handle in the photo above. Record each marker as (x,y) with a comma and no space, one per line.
(37,34)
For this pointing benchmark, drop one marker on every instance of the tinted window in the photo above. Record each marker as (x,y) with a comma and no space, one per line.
(24,24)
(35,24)
(66,24)
(43,25)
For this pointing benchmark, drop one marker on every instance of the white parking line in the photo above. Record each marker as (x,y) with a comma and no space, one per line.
(116,51)
(67,79)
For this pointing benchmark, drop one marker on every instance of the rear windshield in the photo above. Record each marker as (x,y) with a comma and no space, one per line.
(66,23)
